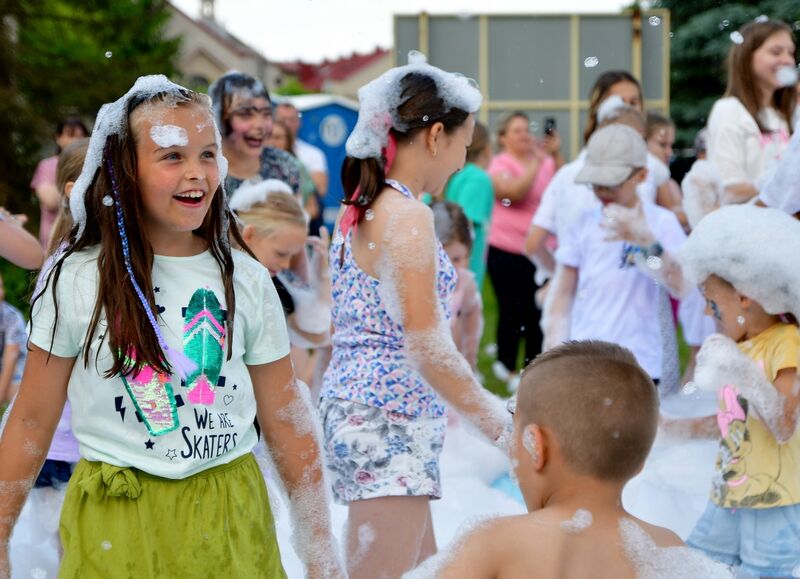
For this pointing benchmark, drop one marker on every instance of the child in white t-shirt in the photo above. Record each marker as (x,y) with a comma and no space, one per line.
(135,324)
(613,258)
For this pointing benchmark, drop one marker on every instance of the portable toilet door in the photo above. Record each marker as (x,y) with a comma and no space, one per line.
(327,121)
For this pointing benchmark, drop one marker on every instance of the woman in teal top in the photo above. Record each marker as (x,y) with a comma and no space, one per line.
(471,188)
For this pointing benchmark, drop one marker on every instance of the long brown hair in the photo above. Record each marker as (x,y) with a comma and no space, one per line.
(599,93)
(420,107)
(742,82)
(128,325)
(70,163)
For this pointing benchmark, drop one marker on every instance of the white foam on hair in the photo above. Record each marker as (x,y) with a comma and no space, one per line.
(653,562)
(754,249)
(166,136)
(113,120)
(702,191)
(380,99)
(782,187)
(609,108)
(249,195)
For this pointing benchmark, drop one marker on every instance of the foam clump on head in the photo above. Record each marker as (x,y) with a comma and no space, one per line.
(782,187)
(249,195)
(113,120)
(380,99)
(752,248)
(609,108)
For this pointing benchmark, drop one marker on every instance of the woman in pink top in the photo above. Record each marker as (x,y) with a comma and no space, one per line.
(520,173)
(43,182)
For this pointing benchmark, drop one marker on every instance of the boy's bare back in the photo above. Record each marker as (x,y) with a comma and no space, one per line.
(548,544)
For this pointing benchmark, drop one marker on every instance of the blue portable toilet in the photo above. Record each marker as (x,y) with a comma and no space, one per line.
(326,123)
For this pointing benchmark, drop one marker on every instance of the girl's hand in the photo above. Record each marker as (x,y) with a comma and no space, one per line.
(319,254)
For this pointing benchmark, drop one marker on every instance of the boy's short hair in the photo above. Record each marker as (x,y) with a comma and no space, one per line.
(600,405)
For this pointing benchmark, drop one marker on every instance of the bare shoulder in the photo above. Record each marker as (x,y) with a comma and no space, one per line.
(661,536)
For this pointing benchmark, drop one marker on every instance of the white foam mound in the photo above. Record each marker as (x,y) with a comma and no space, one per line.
(782,188)
(754,249)
(247,196)
(609,107)
(380,98)
(113,120)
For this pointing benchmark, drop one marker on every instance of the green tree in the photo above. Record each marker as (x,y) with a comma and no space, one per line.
(701,40)
(60,58)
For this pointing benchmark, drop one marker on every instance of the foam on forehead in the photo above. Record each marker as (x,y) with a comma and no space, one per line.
(380,99)
(113,120)
(754,249)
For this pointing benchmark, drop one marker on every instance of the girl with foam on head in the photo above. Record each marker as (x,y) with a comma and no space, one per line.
(749,128)
(394,365)
(243,109)
(275,227)
(169,344)
(745,261)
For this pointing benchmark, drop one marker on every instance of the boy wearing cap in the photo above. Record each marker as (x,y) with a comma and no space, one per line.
(612,259)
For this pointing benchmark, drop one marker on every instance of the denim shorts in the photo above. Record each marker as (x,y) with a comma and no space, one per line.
(764,542)
(371,452)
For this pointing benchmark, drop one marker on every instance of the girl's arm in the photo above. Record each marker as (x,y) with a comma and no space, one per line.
(407,269)
(517,188)
(17,245)
(472,325)
(290,429)
(721,362)
(27,435)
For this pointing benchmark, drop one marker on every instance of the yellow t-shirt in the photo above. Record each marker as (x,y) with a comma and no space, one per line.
(753,470)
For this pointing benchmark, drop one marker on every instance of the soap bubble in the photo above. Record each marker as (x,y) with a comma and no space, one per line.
(671,34)
(591,61)
(654,20)
(369,215)
(371,245)
(762,18)
(490,349)
(736,37)
(607,402)
(506,202)
(109,54)
(106,545)
(724,24)
(797,27)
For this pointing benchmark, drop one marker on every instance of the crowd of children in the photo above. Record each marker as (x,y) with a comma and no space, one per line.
(184,313)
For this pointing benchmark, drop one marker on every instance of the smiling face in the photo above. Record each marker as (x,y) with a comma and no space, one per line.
(250,122)
(777,51)
(176,167)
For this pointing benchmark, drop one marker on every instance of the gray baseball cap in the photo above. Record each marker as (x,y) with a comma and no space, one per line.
(612,154)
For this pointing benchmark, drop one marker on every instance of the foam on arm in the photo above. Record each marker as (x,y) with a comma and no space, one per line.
(408,273)
(291,431)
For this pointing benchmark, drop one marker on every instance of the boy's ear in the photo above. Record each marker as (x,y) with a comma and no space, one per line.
(642,175)
(537,445)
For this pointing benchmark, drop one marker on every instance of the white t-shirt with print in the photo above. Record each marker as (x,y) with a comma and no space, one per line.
(615,303)
(158,423)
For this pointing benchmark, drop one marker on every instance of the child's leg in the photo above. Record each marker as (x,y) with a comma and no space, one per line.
(428,548)
(385,536)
